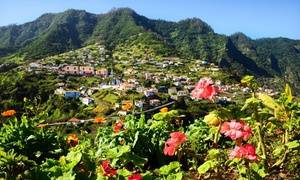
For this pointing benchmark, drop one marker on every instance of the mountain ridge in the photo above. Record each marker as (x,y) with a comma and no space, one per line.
(192,38)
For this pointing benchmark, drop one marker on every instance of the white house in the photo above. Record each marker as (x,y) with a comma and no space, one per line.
(87,100)
(91,91)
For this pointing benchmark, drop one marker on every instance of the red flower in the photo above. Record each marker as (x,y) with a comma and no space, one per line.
(172,144)
(107,171)
(135,177)
(247,151)
(118,125)
(72,140)
(250,150)
(204,89)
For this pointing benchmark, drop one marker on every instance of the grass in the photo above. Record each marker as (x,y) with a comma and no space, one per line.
(111,98)
(100,110)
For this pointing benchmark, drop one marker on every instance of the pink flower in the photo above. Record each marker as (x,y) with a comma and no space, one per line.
(237,152)
(236,130)
(247,131)
(170,147)
(178,137)
(204,89)
(173,143)
(135,177)
(247,151)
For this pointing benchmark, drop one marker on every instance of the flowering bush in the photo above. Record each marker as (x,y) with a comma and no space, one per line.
(217,146)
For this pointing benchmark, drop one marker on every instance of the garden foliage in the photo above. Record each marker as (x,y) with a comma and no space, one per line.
(256,146)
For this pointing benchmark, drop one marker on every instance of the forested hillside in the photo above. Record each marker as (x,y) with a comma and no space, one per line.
(269,59)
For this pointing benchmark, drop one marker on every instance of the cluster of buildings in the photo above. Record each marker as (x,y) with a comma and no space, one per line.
(88,67)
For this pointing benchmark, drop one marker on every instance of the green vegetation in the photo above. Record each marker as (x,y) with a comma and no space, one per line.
(123,31)
(71,36)
(259,140)
(133,42)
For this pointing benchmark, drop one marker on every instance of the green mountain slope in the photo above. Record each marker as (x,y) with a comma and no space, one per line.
(192,38)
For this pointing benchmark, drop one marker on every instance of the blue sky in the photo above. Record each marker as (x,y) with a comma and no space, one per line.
(254,18)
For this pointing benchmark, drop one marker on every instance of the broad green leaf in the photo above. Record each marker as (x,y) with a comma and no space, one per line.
(50,163)
(2,153)
(250,81)
(118,151)
(270,126)
(242,170)
(260,170)
(250,101)
(242,178)
(293,144)
(208,165)
(141,121)
(67,176)
(159,116)
(147,175)
(288,94)
(172,113)
(124,172)
(31,137)
(213,153)
(225,114)
(233,161)
(62,160)
(269,101)
(278,151)
(100,177)
(73,158)
(177,176)
(136,138)
(173,167)
(38,154)
(135,159)
(247,78)
(156,124)
(213,129)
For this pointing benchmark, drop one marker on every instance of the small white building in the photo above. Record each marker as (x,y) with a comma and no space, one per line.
(87,100)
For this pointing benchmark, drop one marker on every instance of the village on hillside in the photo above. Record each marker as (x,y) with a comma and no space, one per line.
(170,76)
